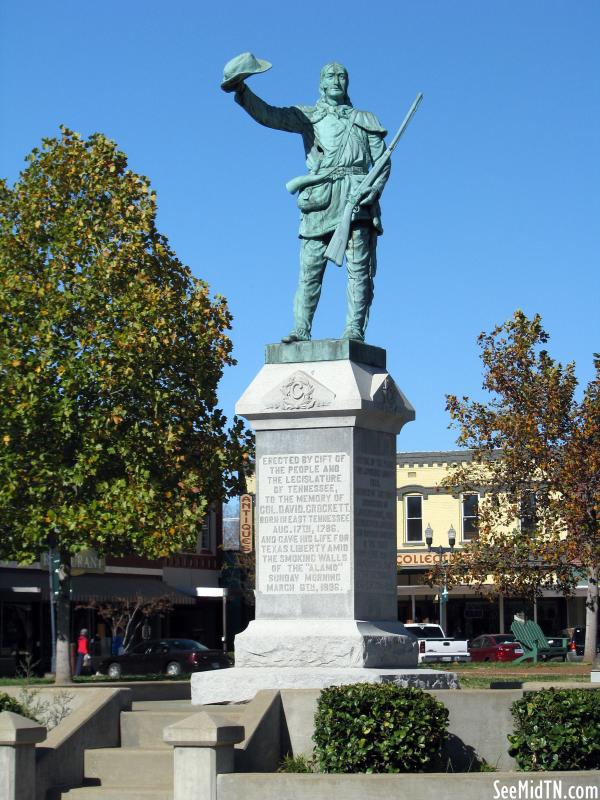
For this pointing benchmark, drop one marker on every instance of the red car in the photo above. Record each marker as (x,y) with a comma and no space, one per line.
(495,647)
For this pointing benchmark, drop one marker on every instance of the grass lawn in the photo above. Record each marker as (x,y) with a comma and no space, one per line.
(477,675)
(33,681)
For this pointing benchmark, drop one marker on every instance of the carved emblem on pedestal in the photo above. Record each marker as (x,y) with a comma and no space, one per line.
(299,392)
(388,397)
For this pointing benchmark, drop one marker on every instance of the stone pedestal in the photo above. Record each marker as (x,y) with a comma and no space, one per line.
(326,416)
(18,738)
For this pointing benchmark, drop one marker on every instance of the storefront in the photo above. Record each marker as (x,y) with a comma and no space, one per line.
(470,613)
(24,621)
(25,616)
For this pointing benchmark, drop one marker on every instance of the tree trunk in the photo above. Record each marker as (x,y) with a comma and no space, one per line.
(591,616)
(63,621)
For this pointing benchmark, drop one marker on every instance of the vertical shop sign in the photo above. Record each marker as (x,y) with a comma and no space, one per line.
(246,523)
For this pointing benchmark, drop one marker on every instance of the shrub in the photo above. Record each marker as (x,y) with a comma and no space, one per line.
(8,703)
(299,763)
(48,712)
(378,728)
(557,729)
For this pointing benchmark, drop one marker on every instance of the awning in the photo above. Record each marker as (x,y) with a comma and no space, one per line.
(113,587)
(26,584)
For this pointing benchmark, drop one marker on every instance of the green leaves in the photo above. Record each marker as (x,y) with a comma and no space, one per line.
(378,728)
(556,729)
(110,357)
(8,703)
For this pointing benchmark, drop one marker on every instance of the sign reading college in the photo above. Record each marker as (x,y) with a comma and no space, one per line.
(423,559)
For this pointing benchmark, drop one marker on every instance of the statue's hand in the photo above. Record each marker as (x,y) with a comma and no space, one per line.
(236,87)
(370,197)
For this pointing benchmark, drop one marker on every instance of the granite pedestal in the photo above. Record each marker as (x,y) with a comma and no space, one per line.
(326,416)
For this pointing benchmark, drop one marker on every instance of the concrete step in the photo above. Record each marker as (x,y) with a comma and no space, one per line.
(110,793)
(144,728)
(130,766)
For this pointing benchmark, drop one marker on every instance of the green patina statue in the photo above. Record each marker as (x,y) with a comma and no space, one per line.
(341,145)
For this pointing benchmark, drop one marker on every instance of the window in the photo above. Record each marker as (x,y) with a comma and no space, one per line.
(470,506)
(414,518)
(206,539)
(528,511)
(141,649)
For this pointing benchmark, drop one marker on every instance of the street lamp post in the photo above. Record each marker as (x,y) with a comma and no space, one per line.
(441,552)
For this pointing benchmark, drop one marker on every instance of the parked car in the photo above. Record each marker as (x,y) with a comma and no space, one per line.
(169,656)
(434,645)
(495,647)
(576,643)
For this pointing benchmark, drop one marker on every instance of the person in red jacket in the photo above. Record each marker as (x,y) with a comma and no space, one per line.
(82,650)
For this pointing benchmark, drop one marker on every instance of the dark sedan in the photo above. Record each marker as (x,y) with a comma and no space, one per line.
(169,656)
(495,647)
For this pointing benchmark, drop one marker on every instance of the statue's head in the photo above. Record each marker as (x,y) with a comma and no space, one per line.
(333,85)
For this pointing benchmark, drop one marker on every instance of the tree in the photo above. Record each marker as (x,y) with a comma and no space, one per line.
(110,356)
(536,452)
(126,615)
(240,571)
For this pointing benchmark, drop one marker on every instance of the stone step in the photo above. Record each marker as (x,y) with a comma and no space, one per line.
(145,728)
(130,766)
(110,793)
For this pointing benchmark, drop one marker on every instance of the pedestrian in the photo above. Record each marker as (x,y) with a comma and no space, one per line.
(83,650)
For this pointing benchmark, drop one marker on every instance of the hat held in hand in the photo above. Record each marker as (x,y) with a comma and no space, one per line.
(240,68)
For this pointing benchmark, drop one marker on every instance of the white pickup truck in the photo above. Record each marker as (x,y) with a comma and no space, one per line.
(435,646)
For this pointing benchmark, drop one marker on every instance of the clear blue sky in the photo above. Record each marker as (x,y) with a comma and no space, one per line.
(494,199)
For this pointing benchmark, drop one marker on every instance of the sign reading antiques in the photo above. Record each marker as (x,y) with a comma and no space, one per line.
(246,523)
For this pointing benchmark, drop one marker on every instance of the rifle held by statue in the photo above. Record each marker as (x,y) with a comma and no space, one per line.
(337,246)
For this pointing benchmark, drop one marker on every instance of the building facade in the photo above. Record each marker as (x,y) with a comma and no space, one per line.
(423,501)
(25,599)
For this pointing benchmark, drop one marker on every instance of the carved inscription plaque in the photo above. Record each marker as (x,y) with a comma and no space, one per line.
(304,523)
(375,521)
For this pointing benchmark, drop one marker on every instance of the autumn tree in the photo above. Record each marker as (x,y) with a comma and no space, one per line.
(110,356)
(536,461)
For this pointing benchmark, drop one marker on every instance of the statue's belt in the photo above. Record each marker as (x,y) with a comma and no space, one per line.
(315,178)
(339,172)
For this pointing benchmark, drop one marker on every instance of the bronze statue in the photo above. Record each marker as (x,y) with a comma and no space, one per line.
(348,167)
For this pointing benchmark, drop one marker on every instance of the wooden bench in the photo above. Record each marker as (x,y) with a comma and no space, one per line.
(535,644)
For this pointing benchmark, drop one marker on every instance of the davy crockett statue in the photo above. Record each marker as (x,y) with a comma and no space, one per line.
(348,165)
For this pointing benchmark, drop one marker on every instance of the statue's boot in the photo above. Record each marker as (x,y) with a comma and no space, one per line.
(353,333)
(294,336)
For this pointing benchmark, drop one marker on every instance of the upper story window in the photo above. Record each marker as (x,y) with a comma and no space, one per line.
(207,537)
(414,518)
(470,511)
(528,511)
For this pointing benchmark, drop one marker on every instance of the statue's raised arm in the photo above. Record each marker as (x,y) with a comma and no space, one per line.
(341,145)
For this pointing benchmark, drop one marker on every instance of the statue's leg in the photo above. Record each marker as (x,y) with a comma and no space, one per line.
(361,262)
(306,299)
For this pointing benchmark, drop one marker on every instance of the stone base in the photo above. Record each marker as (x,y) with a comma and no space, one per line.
(240,684)
(327,643)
